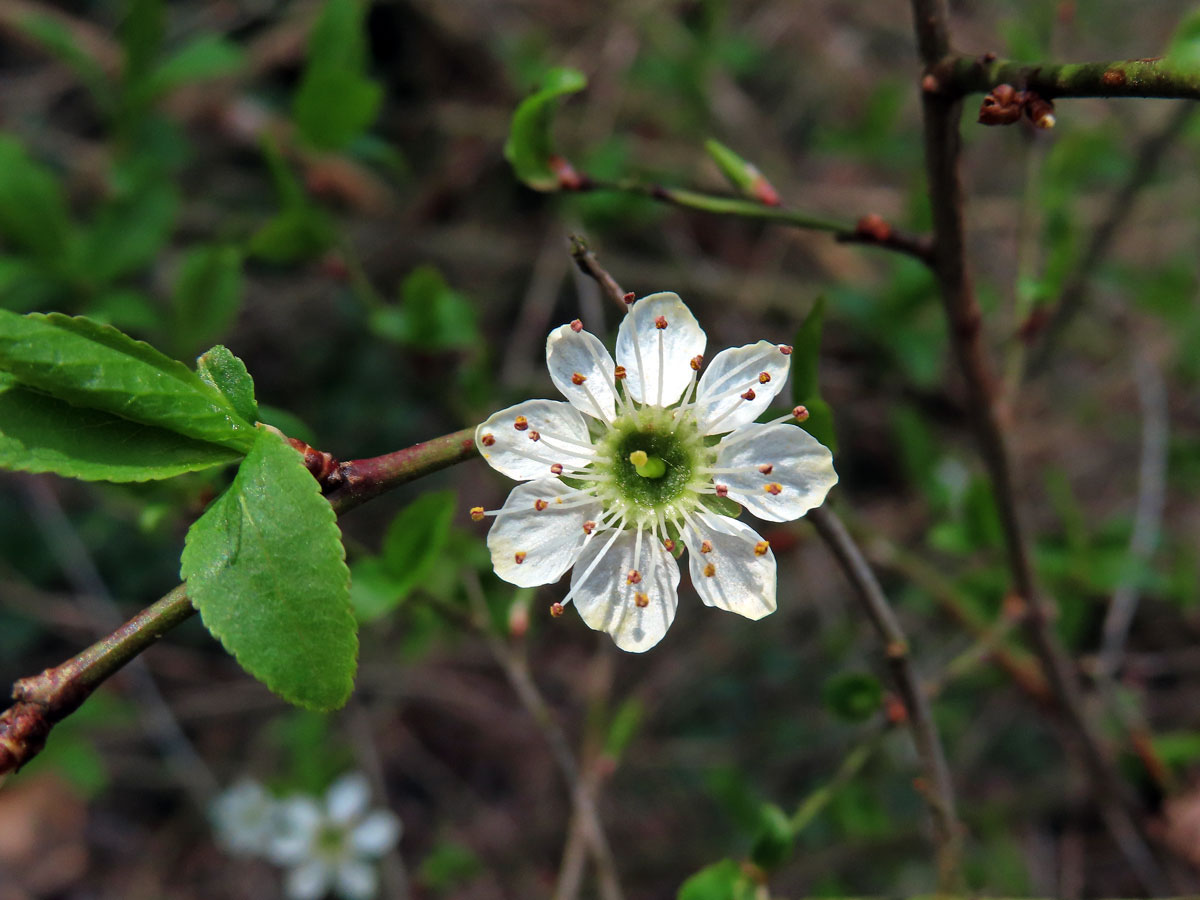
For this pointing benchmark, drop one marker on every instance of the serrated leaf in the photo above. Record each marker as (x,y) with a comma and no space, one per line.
(222,370)
(97,367)
(33,211)
(41,434)
(1184,49)
(720,881)
(265,566)
(530,144)
(208,293)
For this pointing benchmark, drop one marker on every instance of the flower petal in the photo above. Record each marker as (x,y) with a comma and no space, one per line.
(242,817)
(348,798)
(512,450)
(574,355)
(800,475)
(310,881)
(297,821)
(376,834)
(720,406)
(532,546)
(659,357)
(357,880)
(728,570)
(607,596)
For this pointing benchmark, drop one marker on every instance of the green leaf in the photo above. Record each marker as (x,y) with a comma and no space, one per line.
(33,211)
(374,591)
(623,727)
(98,367)
(141,33)
(530,144)
(129,231)
(58,40)
(126,309)
(204,59)
(852,696)
(334,106)
(208,293)
(265,567)
(775,840)
(222,370)
(720,881)
(742,173)
(416,537)
(336,102)
(432,316)
(293,235)
(41,434)
(1184,49)
(447,866)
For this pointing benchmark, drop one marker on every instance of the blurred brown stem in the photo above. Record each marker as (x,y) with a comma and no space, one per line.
(939,792)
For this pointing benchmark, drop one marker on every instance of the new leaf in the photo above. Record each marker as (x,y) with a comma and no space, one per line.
(530,145)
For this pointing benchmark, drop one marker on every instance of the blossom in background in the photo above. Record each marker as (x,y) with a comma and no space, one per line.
(641,459)
(243,818)
(328,847)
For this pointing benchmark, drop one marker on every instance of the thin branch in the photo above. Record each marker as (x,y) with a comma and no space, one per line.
(516,669)
(1074,295)
(42,701)
(942,110)
(940,791)
(870,230)
(953,77)
(1151,498)
(587,263)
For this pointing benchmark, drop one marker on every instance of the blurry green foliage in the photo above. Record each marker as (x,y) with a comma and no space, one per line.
(208,293)
(449,866)
(1184,48)
(806,389)
(431,317)
(300,230)
(852,696)
(724,880)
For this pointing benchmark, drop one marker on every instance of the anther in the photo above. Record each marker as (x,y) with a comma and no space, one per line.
(785,349)
(660,323)
(556,609)
(629,298)
(589,526)
(535,435)
(800,413)
(487,440)
(476,513)
(761,548)
(766,468)
(520,423)
(556,469)
(697,362)
(669,545)
(710,570)
(764,377)
(577,326)
(578,379)
(540,504)
(641,599)
(749,395)
(519,556)
(706,546)
(634,577)
(722,490)
(619,372)
(773,488)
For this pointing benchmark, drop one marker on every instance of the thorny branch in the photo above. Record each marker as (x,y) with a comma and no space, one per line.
(41,701)
(942,108)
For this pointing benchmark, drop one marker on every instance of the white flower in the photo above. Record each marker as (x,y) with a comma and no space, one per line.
(333,847)
(632,465)
(243,818)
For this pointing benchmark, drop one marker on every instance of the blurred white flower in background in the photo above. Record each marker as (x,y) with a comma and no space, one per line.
(328,847)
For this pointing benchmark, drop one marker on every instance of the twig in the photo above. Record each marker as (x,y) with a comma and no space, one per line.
(870,230)
(1151,498)
(42,701)
(940,791)
(942,110)
(956,76)
(586,260)
(517,671)
(1074,294)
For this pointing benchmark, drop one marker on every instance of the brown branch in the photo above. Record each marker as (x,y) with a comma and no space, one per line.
(587,263)
(941,113)
(41,701)
(939,790)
